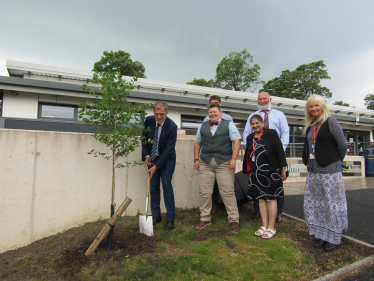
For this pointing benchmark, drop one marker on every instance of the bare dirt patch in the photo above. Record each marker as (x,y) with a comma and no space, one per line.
(58,259)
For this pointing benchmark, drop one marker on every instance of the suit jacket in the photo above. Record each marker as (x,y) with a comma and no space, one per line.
(166,144)
(274,148)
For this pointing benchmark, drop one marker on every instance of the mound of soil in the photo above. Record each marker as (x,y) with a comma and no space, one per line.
(70,259)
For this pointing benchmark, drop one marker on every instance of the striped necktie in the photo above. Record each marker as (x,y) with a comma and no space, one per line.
(266,121)
(155,143)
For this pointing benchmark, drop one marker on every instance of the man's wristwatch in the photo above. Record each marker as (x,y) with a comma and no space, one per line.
(195,160)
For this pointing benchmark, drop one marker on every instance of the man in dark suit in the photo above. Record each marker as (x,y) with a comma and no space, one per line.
(161,158)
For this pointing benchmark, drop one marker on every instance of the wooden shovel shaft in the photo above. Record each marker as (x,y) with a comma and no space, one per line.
(148,183)
(104,232)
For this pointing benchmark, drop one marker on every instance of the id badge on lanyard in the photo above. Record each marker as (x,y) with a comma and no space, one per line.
(254,145)
(313,154)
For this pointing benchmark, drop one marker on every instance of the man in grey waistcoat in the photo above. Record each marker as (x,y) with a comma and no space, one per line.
(219,142)
(215,195)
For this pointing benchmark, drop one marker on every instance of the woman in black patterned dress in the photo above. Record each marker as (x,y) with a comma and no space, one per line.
(265,161)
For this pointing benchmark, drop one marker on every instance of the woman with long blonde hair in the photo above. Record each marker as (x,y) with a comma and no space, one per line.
(325,203)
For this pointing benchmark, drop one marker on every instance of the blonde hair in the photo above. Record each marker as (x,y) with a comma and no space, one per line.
(309,119)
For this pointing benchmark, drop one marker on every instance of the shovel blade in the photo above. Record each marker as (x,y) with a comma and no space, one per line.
(146,225)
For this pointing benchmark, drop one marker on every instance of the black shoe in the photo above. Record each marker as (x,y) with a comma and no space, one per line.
(279,218)
(170,225)
(329,247)
(156,220)
(319,244)
(256,216)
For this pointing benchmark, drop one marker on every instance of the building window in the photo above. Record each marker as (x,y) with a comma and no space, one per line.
(49,111)
(296,145)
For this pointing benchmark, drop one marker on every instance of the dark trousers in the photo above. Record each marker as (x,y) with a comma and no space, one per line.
(165,174)
(280,202)
(215,195)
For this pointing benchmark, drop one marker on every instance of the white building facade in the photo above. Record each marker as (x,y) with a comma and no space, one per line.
(42,97)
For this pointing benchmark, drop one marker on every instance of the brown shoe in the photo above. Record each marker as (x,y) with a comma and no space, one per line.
(256,216)
(202,224)
(214,210)
(234,227)
(279,218)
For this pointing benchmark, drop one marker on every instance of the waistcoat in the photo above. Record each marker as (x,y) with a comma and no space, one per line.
(218,146)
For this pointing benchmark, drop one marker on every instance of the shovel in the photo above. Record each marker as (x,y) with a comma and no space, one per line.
(146,222)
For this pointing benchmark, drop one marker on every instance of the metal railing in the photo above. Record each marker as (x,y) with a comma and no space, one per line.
(296,150)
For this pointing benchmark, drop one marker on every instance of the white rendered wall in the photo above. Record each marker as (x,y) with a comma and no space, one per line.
(20,105)
(48,183)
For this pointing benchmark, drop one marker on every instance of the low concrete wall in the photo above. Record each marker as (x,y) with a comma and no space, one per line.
(48,183)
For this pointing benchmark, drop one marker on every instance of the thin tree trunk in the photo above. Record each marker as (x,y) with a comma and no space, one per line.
(112,206)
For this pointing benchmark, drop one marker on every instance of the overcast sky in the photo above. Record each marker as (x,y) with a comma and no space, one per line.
(181,40)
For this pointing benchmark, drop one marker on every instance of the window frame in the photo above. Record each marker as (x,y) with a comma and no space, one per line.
(75,107)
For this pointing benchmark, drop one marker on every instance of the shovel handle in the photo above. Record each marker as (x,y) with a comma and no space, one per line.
(148,182)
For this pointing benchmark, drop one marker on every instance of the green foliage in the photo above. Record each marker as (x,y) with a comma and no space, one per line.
(111,114)
(369,101)
(236,73)
(300,83)
(119,62)
(202,82)
(340,102)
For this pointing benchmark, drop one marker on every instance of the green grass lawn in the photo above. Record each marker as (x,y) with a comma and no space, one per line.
(184,253)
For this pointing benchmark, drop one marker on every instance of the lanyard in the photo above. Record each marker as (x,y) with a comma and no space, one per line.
(211,127)
(266,116)
(254,144)
(314,132)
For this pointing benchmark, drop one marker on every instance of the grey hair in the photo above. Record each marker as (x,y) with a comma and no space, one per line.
(267,93)
(159,104)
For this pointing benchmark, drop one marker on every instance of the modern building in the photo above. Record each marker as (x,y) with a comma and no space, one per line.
(42,97)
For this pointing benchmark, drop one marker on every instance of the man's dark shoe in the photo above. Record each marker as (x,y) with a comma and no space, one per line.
(170,225)
(279,218)
(329,247)
(234,227)
(256,216)
(156,220)
(214,210)
(202,224)
(319,244)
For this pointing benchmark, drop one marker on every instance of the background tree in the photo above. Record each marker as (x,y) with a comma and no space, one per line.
(119,62)
(202,82)
(111,118)
(300,83)
(340,102)
(236,73)
(369,101)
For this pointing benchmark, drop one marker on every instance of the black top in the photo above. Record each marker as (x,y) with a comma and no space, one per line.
(327,149)
(274,148)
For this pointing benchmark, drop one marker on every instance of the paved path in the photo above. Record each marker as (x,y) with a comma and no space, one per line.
(360,197)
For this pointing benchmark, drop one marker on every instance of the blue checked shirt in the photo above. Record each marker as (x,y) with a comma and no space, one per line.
(277,121)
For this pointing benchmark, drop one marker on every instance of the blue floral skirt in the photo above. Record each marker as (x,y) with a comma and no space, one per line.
(325,206)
